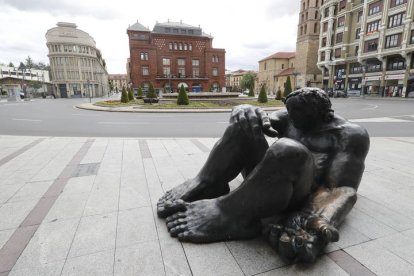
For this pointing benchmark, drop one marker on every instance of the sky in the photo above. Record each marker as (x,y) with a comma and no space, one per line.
(248,30)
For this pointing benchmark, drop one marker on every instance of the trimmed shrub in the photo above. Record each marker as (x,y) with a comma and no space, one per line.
(130,94)
(151,92)
(139,93)
(251,92)
(124,96)
(182,98)
(288,87)
(262,95)
(279,94)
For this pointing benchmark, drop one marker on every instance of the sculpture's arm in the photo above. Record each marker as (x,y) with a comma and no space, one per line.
(304,234)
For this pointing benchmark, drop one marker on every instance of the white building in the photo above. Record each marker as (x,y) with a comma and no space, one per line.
(77,66)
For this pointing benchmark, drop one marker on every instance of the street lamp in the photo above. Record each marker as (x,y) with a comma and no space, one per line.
(89,92)
(295,74)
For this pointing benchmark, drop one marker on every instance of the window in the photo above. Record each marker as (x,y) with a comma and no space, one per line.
(359,16)
(170,46)
(166,71)
(180,46)
(185,47)
(326,13)
(395,3)
(358,33)
(355,68)
(175,46)
(315,28)
(144,56)
(325,27)
(395,20)
(342,5)
(339,37)
(145,70)
(371,45)
(392,41)
(396,63)
(181,62)
(316,14)
(190,47)
(166,61)
(412,37)
(341,21)
(373,26)
(375,8)
(283,66)
(196,62)
(322,56)
(338,52)
(215,72)
(356,50)
(196,72)
(323,41)
(181,72)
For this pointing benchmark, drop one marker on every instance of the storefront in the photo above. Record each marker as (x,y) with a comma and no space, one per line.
(372,85)
(354,86)
(394,85)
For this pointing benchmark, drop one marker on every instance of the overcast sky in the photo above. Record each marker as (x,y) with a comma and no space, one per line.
(248,30)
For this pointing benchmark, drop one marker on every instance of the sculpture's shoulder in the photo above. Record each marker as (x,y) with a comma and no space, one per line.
(354,137)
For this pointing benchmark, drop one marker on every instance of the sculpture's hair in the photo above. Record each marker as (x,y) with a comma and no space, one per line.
(316,97)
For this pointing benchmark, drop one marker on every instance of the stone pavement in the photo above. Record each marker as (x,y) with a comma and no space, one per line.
(86,206)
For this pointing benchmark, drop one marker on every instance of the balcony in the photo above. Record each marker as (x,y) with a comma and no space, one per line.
(180,77)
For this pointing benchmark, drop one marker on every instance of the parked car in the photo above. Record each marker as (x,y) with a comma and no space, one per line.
(340,94)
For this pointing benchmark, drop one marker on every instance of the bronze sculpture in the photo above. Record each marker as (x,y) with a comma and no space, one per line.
(307,179)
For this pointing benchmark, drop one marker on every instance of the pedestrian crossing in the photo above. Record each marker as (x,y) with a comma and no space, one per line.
(394,119)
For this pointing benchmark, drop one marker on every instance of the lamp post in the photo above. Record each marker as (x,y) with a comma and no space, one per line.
(295,74)
(89,92)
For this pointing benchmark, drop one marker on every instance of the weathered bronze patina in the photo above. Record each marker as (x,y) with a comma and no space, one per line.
(307,179)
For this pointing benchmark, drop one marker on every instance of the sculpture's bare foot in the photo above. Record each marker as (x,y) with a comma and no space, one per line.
(204,221)
(189,191)
(302,239)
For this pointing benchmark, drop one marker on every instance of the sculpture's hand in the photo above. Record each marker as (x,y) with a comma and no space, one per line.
(253,120)
(302,237)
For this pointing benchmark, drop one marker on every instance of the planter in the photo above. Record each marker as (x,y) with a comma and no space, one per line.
(150,101)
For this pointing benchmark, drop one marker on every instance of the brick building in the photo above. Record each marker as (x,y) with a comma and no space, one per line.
(175,54)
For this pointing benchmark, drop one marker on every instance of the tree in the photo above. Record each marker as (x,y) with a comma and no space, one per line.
(288,87)
(278,94)
(247,82)
(130,94)
(182,98)
(151,93)
(262,95)
(29,63)
(11,64)
(22,66)
(140,94)
(124,95)
(111,85)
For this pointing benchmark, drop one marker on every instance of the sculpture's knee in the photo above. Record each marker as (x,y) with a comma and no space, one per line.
(349,193)
(290,152)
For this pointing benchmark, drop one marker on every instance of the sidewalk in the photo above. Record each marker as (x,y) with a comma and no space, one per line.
(86,206)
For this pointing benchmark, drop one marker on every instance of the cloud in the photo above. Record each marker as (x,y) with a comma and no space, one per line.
(277,9)
(64,7)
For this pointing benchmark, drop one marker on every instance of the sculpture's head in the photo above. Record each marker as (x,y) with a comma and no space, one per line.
(308,108)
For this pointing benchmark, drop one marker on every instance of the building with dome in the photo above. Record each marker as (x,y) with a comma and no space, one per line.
(77,66)
(174,54)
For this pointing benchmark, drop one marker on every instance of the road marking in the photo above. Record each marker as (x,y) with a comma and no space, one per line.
(381,120)
(123,123)
(371,108)
(28,120)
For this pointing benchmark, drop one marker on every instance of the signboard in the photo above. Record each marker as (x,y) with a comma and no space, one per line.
(394,77)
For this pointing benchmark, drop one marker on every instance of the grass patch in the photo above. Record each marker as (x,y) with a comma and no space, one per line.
(225,103)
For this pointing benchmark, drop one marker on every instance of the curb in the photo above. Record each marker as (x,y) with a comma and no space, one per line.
(89,106)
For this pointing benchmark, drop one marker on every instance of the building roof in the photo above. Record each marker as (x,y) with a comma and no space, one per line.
(179,28)
(286,72)
(281,55)
(138,27)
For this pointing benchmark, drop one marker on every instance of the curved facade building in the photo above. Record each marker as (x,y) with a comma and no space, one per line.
(77,66)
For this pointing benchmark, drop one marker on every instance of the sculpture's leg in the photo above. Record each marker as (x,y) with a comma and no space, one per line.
(235,152)
(282,179)
(305,234)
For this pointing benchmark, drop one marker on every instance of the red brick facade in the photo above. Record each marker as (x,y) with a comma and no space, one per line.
(174,54)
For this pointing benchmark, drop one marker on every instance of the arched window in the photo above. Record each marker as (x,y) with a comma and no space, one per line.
(315,28)
(316,14)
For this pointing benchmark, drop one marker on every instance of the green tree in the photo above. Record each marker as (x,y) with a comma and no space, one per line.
(130,94)
(247,82)
(140,94)
(124,95)
(111,85)
(151,92)
(29,63)
(11,64)
(279,94)
(288,87)
(182,98)
(262,95)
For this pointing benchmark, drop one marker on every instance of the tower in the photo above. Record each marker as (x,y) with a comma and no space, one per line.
(307,44)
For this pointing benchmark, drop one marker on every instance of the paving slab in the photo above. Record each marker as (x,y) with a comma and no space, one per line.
(102,220)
